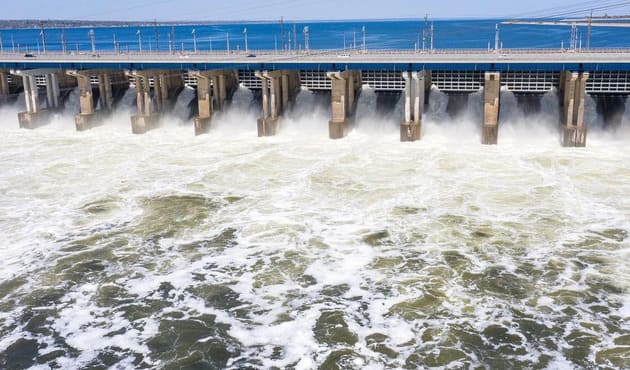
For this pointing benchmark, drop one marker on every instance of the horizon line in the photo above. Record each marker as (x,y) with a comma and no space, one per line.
(286,20)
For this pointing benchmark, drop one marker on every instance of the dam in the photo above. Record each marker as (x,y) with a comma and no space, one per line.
(218,207)
(277,77)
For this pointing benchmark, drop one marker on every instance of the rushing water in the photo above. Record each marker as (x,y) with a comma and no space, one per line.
(225,250)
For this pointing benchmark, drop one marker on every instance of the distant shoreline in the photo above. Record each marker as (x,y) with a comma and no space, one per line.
(60,23)
(9,24)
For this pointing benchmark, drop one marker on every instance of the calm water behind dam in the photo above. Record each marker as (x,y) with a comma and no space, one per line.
(167,250)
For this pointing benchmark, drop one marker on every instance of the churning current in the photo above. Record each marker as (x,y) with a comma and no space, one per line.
(226,250)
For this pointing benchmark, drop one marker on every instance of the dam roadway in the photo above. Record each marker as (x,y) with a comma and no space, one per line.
(506,59)
(277,78)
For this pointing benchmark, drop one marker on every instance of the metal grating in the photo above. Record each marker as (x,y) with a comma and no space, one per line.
(611,82)
(40,80)
(249,80)
(12,80)
(315,80)
(384,80)
(458,81)
(608,82)
(530,82)
(189,79)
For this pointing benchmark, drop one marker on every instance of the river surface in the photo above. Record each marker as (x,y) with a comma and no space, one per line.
(225,250)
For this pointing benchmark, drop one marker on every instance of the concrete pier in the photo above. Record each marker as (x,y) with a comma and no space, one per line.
(5,91)
(279,89)
(410,128)
(108,83)
(346,86)
(573,92)
(152,102)
(214,90)
(35,116)
(491,105)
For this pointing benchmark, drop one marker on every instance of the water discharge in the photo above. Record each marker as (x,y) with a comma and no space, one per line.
(225,250)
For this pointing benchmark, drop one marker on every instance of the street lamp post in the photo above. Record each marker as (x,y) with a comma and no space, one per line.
(306,38)
(245,33)
(363,32)
(496,37)
(139,33)
(42,33)
(64,46)
(194,34)
(91,34)
(170,42)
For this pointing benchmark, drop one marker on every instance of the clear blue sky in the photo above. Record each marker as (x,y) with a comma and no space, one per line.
(209,10)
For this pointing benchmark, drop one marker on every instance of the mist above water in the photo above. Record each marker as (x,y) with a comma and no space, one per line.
(230,251)
(457,116)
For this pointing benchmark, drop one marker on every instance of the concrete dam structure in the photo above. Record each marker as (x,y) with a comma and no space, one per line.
(277,78)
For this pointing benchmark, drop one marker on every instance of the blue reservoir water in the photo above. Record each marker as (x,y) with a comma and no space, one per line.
(448,34)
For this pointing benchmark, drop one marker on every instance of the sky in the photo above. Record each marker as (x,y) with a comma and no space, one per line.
(212,10)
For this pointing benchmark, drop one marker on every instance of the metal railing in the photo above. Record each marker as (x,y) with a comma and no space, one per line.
(313,52)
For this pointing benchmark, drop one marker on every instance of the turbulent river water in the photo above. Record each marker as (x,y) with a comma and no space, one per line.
(171,251)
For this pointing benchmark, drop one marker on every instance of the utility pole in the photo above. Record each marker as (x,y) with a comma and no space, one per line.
(227,39)
(171,40)
(246,45)
(363,46)
(1,45)
(64,46)
(424,32)
(294,36)
(432,34)
(306,38)
(43,35)
(496,38)
(12,43)
(194,35)
(588,31)
(170,43)
(91,34)
(282,33)
(139,33)
(115,44)
(289,47)
(157,35)
(354,40)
